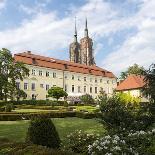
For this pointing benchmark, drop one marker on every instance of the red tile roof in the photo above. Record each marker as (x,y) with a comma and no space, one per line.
(131,82)
(37,60)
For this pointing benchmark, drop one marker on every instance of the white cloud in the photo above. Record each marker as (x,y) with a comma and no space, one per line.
(139,48)
(47,34)
(2,4)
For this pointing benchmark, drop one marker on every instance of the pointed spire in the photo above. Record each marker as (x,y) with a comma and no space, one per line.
(86,29)
(75,35)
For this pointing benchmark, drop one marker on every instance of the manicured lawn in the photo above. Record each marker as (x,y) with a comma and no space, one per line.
(16,130)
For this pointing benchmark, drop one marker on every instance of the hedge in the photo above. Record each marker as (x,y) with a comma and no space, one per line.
(6,116)
(33,102)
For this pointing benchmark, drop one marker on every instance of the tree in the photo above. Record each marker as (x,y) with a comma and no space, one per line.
(135,69)
(57,92)
(10,71)
(87,99)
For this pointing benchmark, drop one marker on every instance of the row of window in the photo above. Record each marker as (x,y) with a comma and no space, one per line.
(73,77)
(41,73)
(84,89)
(33,86)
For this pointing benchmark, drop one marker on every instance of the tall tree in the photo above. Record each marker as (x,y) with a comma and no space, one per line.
(10,71)
(135,69)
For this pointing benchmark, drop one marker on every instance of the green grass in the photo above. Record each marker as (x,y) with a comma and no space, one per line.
(16,130)
(31,110)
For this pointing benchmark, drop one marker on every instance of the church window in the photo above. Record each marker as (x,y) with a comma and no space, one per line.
(33,86)
(47,74)
(33,72)
(79,89)
(95,80)
(96,90)
(72,77)
(25,86)
(40,73)
(84,89)
(47,87)
(54,75)
(90,89)
(72,88)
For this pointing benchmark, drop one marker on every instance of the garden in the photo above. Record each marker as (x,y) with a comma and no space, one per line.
(116,125)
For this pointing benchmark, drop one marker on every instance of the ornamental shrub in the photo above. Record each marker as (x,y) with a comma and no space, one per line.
(78,141)
(9,107)
(87,99)
(43,132)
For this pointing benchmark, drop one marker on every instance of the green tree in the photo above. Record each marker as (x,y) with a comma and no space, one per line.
(135,69)
(10,71)
(87,99)
(57,92)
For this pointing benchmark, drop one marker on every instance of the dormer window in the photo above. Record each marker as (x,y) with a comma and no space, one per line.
(33,60)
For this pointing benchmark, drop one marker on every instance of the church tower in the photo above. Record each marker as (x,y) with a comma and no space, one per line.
(86,48)
(74,49)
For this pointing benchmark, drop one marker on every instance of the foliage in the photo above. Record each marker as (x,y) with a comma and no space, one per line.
(78,141)
(57,92)
(10,71)
(43,132)
(149,88)
(9,147)
(87,99)
(119,116)
(135,69)
(127,98)
(138,142)
(9,107)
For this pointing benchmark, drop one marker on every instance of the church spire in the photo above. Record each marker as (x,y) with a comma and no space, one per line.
(75,35)
(86,29)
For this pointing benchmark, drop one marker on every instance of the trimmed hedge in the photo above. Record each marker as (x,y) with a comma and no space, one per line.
(33,102)
(26,116)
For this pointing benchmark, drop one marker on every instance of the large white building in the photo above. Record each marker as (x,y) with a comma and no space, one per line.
(76,77)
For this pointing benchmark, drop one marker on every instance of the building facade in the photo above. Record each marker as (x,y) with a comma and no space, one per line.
(78,76)
(133,85)
(76,79)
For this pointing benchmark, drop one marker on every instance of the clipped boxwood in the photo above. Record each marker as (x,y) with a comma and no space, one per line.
(43,132)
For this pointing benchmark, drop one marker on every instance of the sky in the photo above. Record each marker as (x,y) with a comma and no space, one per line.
(123,31)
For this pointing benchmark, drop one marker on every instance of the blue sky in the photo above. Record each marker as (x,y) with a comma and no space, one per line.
(123,31)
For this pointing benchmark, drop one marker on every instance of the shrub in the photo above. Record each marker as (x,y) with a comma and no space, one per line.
(9,107)
(43,132)
(138,142)
(87,99)
(78,141)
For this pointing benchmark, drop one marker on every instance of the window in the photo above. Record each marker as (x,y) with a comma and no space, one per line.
(84,89)
(96,90)
(101,89)
(47,74)
(18,85)
(73,88)
(90,89)
(65,76)
(41,85)
(54,75)
(95,80)
(33,72)
(108,81)
(40,73)
(100,80)
(79,89)
(25,86)
(47,87)
(79,78)
(85,79)
(72,77)
(33,97)
(90,79)
(65,87)
(33,86)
